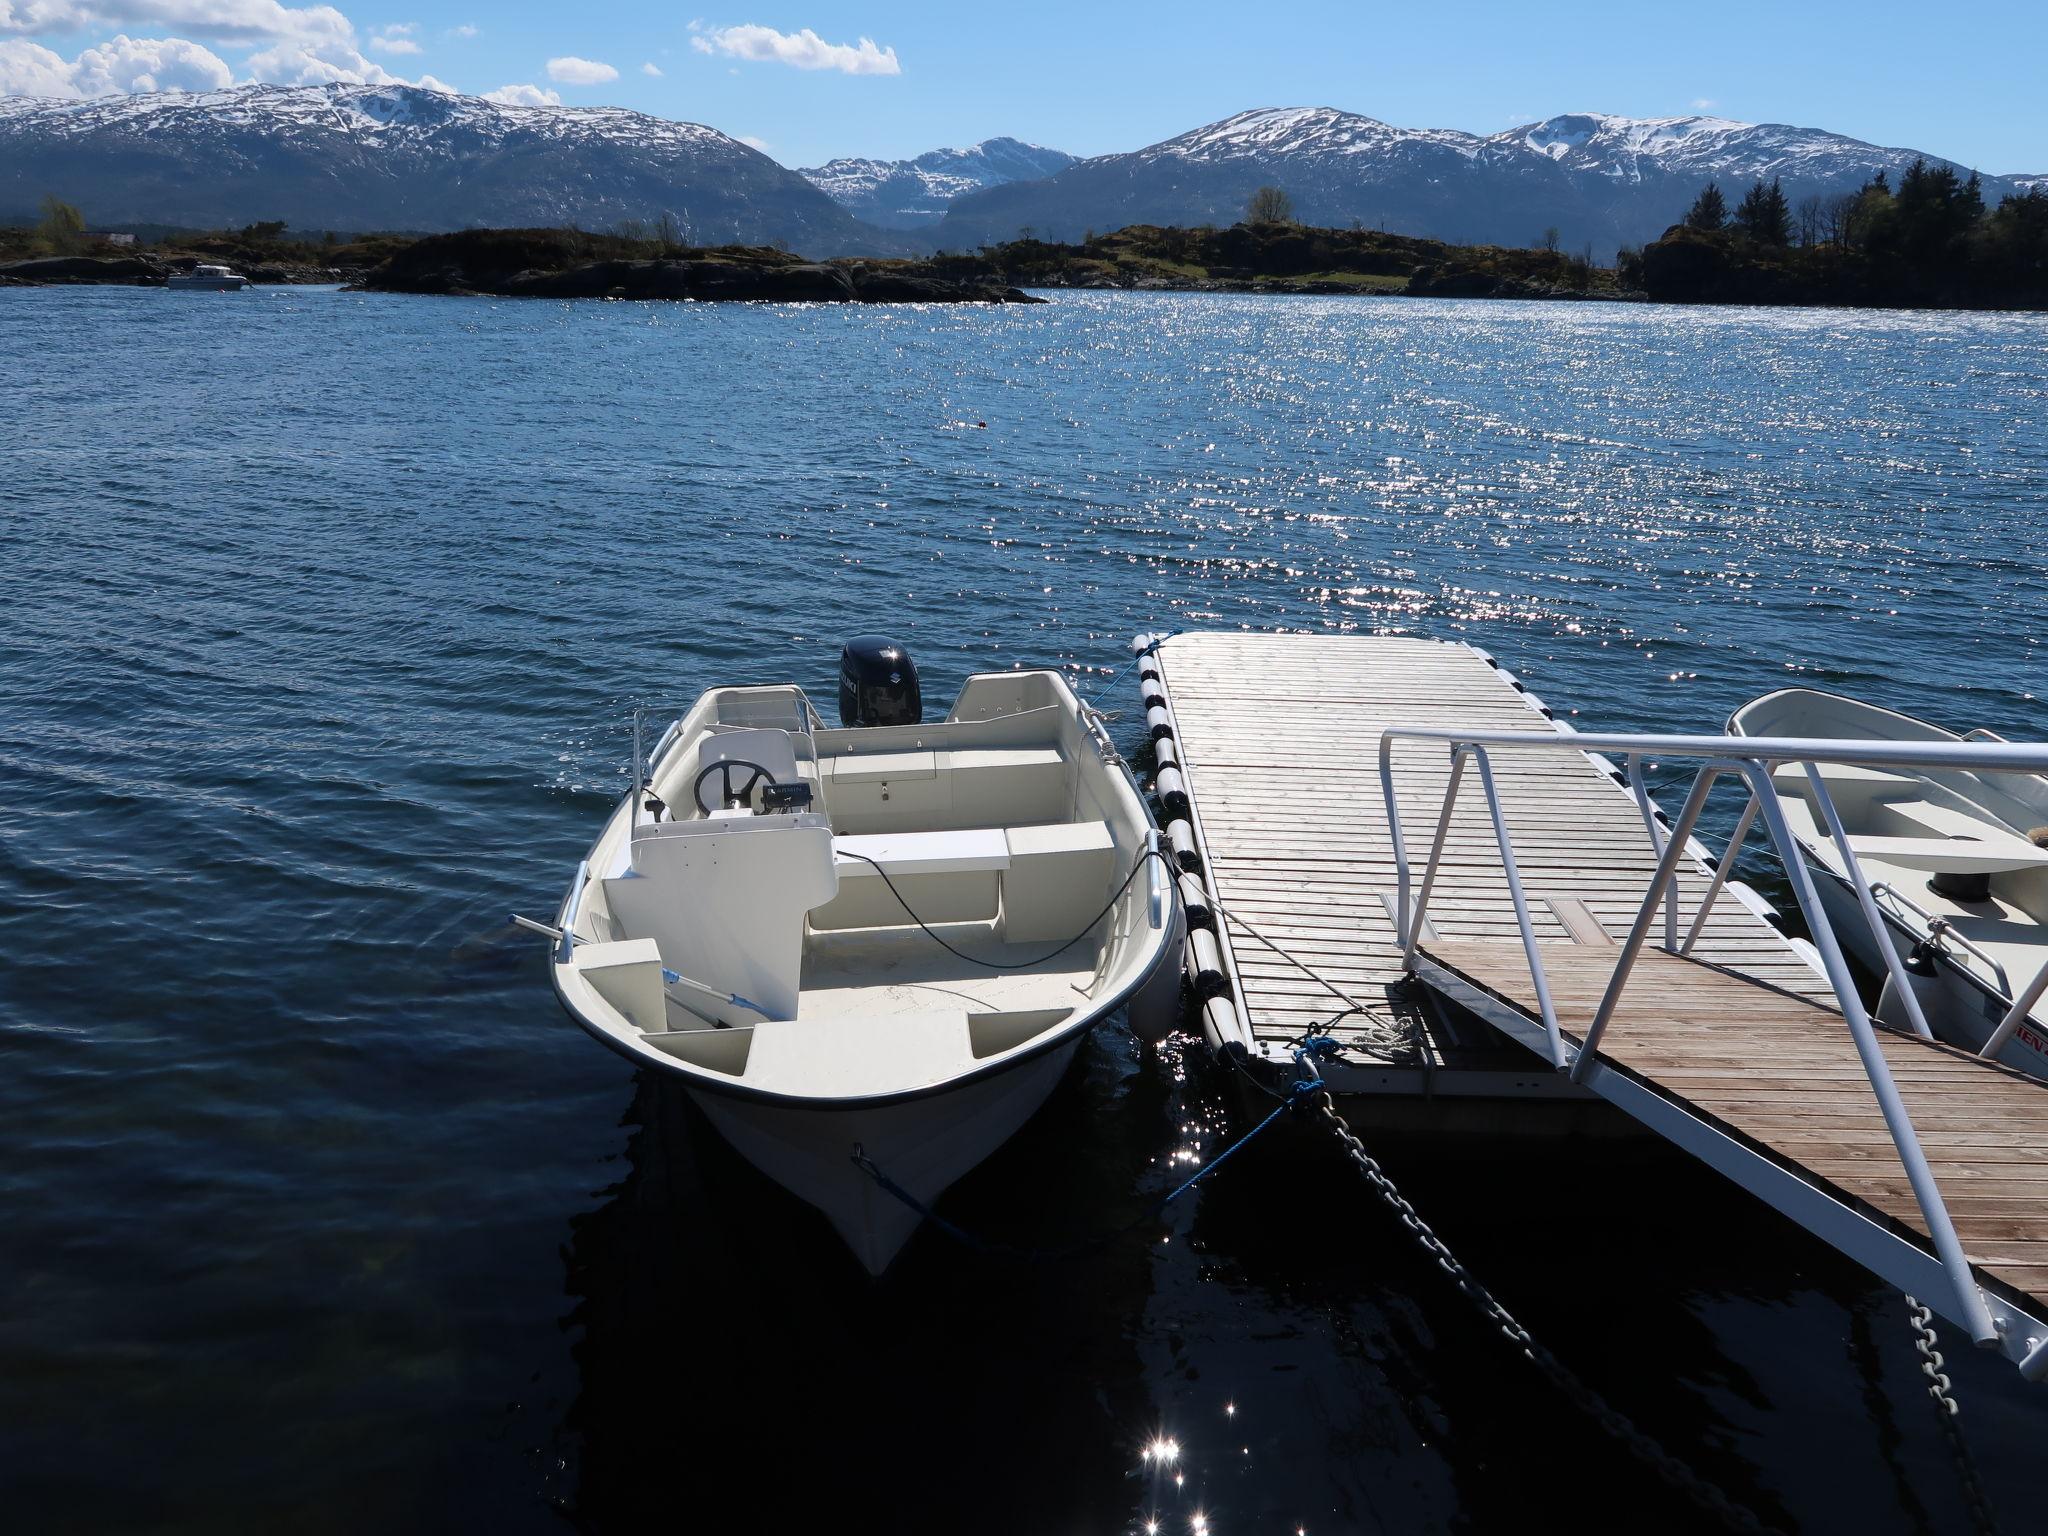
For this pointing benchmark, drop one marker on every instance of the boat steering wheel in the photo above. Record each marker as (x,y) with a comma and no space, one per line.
(724,768)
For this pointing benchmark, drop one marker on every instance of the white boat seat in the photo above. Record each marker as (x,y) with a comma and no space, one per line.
(1042,881)
(946,787)
(1058,879)
(1793,775)
(922,853)
(1952,855)
(861,1053)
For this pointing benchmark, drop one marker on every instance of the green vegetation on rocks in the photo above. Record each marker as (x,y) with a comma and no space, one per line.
(1287,258)
(1929,243)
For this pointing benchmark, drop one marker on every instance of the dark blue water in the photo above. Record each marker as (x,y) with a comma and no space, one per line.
(320,618)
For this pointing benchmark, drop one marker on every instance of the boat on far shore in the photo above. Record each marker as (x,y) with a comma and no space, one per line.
(208,279)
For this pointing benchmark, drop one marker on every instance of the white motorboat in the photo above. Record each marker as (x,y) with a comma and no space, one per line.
(1956,861)
(208,279)
(884,940)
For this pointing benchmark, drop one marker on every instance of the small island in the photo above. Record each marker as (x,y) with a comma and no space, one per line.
(1928,243)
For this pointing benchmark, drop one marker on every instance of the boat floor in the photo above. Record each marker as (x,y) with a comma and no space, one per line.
(870,971)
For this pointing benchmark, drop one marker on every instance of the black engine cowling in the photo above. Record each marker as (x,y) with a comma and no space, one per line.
(878,683)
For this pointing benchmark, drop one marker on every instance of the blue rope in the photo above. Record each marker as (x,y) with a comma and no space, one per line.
(1301,1089)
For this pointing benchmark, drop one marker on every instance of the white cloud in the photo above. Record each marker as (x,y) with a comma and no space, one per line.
(575,71)
(303,63)
(396,38)
(127,64)
(30,69)
(651,70)
(223,21)
(465,31)
(753,143)
(799,50)
(117,67)
(524,96)
(1704,103)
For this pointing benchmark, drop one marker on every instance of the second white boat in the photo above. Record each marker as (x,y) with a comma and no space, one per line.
(1956,861)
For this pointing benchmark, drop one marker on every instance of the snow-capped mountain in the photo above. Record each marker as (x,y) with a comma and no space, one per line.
(911,194)
(1594,177)
(351,157)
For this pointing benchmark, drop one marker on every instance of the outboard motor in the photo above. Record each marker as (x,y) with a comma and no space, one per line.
(878,683)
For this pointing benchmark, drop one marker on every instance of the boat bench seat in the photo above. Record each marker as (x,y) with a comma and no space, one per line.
(922,853)
(965,788)
(1953,855)
(1043,881)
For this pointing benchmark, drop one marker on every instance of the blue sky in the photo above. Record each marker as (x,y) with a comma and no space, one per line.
(812,80)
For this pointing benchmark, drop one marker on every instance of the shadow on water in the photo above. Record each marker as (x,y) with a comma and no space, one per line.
(724,1325)
(1309,1367)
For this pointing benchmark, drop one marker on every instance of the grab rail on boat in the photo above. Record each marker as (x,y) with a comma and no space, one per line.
(1940,930)
(570,910)
(1751,759)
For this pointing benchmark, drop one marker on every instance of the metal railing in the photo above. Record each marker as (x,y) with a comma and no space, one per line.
(1752,760)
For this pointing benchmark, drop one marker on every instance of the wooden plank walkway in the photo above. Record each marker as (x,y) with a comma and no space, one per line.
(1279,743)
(1781,1073)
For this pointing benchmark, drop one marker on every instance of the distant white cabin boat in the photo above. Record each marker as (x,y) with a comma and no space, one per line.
(208,279)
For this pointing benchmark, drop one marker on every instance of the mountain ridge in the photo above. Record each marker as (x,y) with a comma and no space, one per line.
(363,158)
(1597,178)
(354,157)
(915,193)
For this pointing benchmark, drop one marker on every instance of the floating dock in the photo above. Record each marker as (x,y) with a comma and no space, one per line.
(1467,948)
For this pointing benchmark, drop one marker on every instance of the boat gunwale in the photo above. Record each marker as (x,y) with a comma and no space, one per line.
(1083,1021)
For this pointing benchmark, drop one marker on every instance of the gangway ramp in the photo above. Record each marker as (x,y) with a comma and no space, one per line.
(1592,944)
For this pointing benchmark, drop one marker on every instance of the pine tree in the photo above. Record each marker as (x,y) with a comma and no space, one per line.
(1777,216)
(1709,211)
(1764,215)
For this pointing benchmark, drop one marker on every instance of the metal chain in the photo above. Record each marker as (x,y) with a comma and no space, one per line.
(1946,1409)
(1662,1462)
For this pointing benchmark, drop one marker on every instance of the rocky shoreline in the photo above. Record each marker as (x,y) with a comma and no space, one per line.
(146,271)
(563,264)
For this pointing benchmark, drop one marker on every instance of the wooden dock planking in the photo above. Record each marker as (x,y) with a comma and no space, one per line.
(1278,738)
(1782,1073)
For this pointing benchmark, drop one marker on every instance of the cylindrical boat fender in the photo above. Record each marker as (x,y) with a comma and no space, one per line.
(1219,1023)
(1172,790)
(1166,755)
(1194,900)
(1181,834)
(1160,723)
(1205,961)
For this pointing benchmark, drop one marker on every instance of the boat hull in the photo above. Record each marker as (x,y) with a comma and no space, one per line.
(207,284)
(1960,1009)
(923,1143)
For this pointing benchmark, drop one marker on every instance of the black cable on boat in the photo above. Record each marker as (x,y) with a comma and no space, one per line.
(1017,965)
